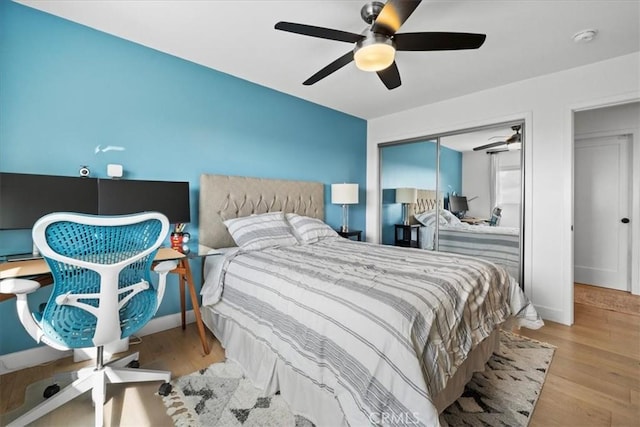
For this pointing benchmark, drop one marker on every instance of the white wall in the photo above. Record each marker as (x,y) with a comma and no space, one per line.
(476,183)
(546,104)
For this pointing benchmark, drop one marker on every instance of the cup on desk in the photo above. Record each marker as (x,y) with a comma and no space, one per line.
(179,242)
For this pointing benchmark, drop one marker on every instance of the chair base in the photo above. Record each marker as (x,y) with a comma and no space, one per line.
(96,380)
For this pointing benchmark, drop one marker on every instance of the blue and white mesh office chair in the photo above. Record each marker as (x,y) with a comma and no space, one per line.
(102,292)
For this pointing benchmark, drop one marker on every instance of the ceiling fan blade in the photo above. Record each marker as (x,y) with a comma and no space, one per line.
(393,15)
(321,32)
(331,68)
(493,144)
(497,151)
(438,41)
(390,76)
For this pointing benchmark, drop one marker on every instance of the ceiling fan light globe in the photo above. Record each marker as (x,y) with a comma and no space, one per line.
(374,53)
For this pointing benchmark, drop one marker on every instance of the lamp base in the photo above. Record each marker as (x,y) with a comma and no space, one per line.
(405,214)
(345,218)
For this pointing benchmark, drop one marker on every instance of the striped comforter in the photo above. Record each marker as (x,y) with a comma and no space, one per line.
(380,327)
(500,245)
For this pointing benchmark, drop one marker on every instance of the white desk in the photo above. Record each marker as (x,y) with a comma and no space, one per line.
(474,221)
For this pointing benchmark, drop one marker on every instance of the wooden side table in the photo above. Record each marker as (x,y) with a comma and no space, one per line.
(183,270)
(351,233)
(404,235)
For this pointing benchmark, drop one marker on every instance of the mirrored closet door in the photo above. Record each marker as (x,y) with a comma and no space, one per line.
(460,192)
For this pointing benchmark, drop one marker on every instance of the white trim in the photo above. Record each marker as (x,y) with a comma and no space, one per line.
(43,354)
(566,239)
(551,314)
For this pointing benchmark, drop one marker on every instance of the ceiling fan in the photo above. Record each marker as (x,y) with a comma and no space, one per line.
(376,46)
(515,138)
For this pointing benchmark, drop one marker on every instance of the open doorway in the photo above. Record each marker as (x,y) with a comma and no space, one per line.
(606,193)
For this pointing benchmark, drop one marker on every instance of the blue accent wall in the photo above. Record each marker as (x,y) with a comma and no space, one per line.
(414,165)
(66,88)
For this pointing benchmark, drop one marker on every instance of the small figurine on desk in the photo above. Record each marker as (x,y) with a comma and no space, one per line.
(180,238)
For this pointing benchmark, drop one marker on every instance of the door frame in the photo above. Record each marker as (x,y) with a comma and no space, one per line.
(568,189)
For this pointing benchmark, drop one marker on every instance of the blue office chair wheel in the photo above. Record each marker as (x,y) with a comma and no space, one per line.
(133,364)
(50,391)
(165,389)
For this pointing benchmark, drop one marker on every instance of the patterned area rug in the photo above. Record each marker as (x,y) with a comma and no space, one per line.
(503,395)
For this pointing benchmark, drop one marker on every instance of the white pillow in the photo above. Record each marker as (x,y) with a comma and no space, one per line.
(429,218)
(450,217)
(261,231)
(310,230)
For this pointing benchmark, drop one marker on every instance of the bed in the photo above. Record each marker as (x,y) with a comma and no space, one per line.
(500,245)
(350,333)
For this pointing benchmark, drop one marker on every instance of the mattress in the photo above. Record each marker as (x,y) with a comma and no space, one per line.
(378,330)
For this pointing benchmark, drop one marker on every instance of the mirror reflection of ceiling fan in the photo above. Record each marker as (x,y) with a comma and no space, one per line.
(510,143)
(375,48)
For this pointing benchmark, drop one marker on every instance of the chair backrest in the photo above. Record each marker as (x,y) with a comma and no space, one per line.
(101,269)
(496,214)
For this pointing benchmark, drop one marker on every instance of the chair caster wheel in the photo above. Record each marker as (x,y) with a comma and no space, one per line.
(50,391)
(133,364)
(165,389)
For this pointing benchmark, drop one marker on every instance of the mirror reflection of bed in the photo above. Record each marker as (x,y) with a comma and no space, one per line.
(495,243)
(480,193)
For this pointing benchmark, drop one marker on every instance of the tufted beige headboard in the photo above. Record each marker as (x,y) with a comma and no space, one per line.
(225,196)
(426,202)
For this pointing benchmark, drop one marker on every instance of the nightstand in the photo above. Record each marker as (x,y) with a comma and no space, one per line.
(351,233)
(405,235)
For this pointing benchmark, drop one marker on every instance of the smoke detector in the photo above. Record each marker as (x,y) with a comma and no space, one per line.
(585,36)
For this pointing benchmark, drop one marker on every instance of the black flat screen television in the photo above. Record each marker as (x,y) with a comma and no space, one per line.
(458,204)
(116,197)
(24,198)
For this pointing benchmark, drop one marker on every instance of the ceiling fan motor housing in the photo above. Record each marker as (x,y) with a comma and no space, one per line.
(370,11)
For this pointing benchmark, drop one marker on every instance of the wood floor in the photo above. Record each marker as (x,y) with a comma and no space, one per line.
(594,379)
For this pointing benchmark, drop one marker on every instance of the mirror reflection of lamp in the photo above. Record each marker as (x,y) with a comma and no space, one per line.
(345,195)
(406,196)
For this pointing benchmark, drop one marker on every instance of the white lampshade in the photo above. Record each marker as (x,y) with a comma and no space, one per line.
(406,195)
(344,194)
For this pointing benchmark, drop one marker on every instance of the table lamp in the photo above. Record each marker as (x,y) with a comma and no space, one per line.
(406,196)
(345,195)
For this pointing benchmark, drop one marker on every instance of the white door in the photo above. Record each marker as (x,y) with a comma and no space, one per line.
(601,205)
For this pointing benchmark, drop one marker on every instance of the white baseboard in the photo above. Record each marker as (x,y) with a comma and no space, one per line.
(552,314)
(43,354)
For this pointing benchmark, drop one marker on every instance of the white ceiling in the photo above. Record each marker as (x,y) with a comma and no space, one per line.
(524,39)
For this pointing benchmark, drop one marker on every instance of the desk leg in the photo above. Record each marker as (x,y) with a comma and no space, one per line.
(196,307)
